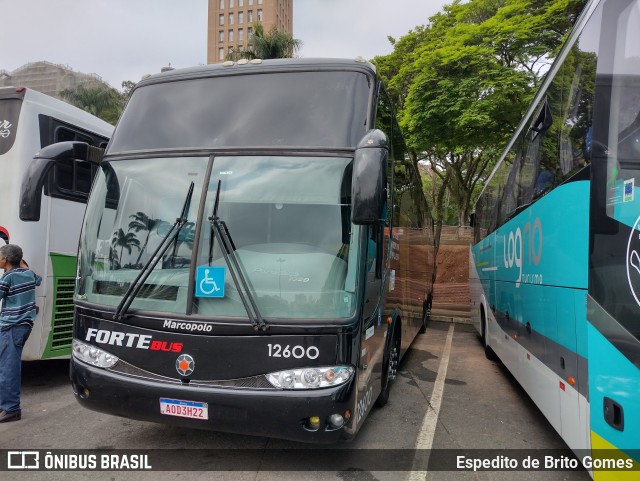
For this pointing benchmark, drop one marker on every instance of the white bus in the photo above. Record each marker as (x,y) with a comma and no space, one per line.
(47,223)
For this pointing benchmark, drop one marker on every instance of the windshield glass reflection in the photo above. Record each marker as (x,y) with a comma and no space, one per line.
(128,215)
(289,221)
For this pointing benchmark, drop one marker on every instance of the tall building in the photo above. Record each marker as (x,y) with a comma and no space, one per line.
(231,23)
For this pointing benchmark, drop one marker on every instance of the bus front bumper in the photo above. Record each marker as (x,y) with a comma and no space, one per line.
(259,412)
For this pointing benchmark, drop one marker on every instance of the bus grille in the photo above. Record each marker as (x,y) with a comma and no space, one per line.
(253,382)
(62,324)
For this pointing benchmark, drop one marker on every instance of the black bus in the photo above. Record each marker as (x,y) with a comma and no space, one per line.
(257,252)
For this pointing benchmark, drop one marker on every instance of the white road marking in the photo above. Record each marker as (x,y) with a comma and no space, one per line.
(430,420)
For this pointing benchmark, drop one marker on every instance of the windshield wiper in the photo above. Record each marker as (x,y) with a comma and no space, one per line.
(221,232)
(147,268)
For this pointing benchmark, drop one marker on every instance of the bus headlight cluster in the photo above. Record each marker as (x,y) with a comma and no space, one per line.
(92,355)
(311,378)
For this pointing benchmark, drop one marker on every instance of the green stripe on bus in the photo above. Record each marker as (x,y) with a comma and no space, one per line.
(64,272)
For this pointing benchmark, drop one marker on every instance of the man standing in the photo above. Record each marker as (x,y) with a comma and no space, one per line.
(18,293)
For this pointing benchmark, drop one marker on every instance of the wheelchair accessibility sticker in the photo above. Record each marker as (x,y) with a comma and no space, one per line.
(210,281)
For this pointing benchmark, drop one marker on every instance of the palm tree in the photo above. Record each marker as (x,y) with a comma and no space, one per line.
(124,241)
(142,221)
(273,44)
(113,259)
(186,236)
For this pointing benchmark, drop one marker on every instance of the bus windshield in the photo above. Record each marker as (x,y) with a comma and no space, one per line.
(288,218)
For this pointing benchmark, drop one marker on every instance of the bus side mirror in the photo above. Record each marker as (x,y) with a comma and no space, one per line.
(33,181)
(369,181)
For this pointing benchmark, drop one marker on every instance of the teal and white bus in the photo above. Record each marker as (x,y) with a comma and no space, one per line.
(45,219)
(555,268)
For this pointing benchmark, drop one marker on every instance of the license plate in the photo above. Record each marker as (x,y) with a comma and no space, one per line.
(184,409)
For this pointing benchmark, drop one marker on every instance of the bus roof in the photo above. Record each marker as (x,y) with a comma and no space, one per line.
(318,103)
(66,110)
(241,67)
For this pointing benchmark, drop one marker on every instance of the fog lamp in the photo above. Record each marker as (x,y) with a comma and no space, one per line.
(336,420)
(314,423)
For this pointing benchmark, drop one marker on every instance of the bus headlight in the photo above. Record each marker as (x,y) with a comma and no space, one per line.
(311,378)
(92,355)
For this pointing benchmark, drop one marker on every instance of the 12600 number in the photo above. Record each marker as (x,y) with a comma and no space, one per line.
(297,352)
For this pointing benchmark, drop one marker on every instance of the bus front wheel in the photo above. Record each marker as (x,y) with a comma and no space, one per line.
(390,366)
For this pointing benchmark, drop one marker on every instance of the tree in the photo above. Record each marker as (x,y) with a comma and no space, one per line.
(464,81)
(268,45)
(437,185)
(124,241)
(100,100)
(127,88)
(97,99)
(142,221)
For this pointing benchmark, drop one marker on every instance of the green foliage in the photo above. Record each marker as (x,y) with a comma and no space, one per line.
(127,88)
(97,99)
(447,213)
(100,100)
(463,81)
(268,45)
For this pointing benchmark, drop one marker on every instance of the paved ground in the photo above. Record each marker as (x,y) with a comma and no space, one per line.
(448,400)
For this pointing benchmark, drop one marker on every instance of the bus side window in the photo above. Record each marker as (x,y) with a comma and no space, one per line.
(63,134)
(384,122)
(576,132)
(84,177)
(71,180)
(374,250)
(540,161)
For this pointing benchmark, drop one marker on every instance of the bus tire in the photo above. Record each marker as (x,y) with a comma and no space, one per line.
(390,365)
(426,315)
(488,352)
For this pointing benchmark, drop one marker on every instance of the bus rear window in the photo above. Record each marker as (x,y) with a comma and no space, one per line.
(9,114)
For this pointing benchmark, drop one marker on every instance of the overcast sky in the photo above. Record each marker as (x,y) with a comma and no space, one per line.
(126,39)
